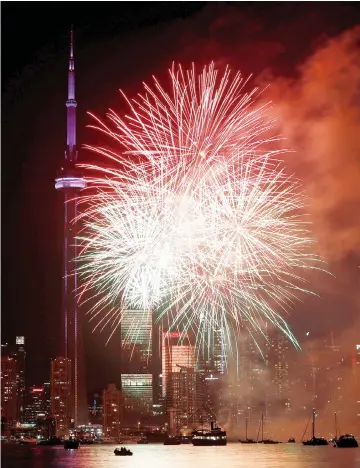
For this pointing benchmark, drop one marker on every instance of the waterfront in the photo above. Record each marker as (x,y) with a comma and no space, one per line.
(232,456)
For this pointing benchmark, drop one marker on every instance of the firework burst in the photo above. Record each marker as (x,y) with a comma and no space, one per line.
(196,218)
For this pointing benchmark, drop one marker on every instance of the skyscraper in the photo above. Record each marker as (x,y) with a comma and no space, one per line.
(35,404)
(136,363)
(136,341)
(9,394)
(278,364)
(112,412)
(16,351)
(212,349)
(177,352)
(19,354)
(70,181)
(61,403)
(182,385)
(184,398)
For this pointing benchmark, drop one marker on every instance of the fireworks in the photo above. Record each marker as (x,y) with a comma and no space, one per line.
(194,217)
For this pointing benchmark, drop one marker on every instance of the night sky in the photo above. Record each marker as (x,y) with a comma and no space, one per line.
(307,51)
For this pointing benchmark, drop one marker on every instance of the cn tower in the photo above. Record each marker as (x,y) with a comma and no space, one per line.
(70,181)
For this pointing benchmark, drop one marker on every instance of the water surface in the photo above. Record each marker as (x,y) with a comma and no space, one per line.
(160,456)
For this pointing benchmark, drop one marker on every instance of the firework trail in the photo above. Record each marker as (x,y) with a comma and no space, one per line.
(194,217)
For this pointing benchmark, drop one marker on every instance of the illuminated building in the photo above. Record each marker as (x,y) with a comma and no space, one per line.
(9,394)
(47,396)
(17,352)
(136,334)
(213,395)
(177,352)
(70,181)
(212,349)
(182,385)
(184,398)
(278,366)
(246,394)
(137,364)
(36,404)
(111,412)
(91,431)
(61,395)
(212,365)
(137,393)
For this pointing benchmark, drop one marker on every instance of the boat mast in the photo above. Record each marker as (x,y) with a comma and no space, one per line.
(336,426)
(313,424)
(246,427)
(262,427)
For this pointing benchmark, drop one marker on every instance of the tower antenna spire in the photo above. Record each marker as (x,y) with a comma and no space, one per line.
(72,41)
(71,105)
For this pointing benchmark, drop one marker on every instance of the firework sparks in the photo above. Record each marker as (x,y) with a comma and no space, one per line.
(196,218)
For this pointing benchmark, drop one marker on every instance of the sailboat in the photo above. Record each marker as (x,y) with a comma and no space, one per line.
(247,441)
(265,441)
(344,441)
(314,440)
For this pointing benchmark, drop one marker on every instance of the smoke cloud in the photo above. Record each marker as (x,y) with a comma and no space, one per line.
(318,112)
(316,98)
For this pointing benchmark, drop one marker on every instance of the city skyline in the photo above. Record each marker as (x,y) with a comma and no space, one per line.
(328,382)
(314,322)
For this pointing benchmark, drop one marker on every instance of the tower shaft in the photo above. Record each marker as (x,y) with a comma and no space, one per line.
(70,181)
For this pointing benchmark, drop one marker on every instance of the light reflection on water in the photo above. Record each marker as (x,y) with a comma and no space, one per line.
(160,456)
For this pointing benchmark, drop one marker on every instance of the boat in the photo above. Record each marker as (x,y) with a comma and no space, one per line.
(172,440)
(143,440)
(185,440)
(265,441)
(214,437)
(28,441)
(291,440)
(71,444)
(314,440)
(87,441)
(52,441)
(246,440)
(123,452)
(346,441)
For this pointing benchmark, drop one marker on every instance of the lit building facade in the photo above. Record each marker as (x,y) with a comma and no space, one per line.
(137,379)
(245,387)
(111,412)
(184,401)
(9,394)
(19,354)
(17,351)
(137,393)
(177,352)
(278,366)
(212,349)
(212,366)
(136,341)
(36,404)
(182,385)
(61,405)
